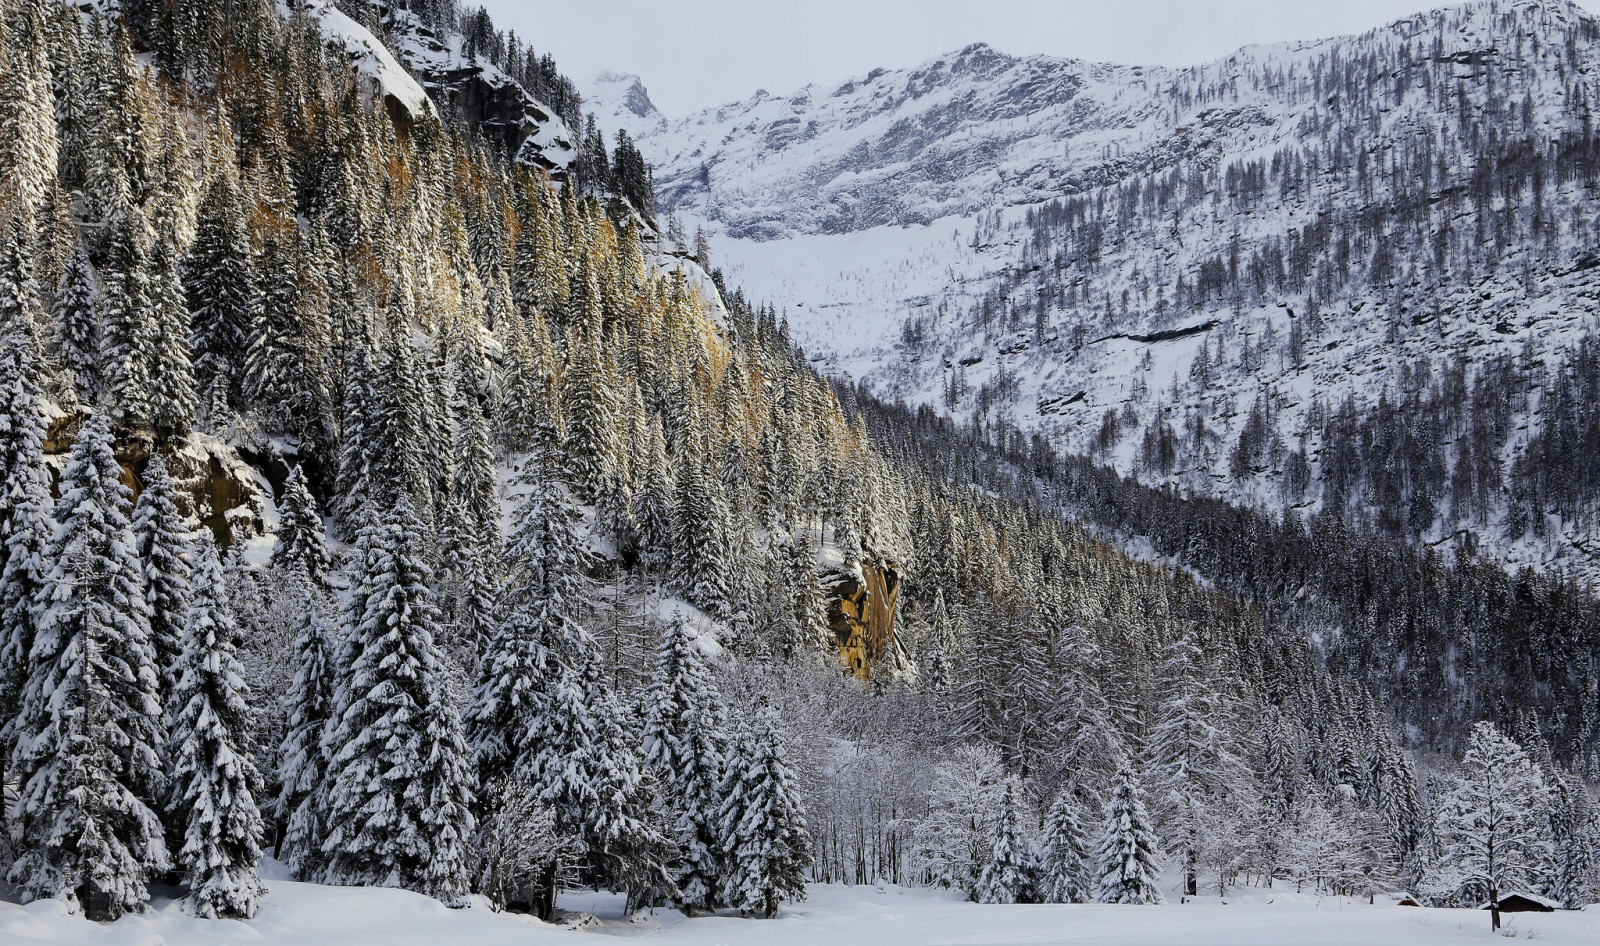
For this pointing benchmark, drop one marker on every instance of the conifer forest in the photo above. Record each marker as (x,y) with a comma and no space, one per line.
(393,496)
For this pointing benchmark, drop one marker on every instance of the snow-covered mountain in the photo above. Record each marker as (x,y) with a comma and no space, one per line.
(1350,271)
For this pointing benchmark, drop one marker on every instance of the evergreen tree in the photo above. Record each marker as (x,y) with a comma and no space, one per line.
(77,322)
(302,536)
(684,740)
(163,547)
(303,766)
(769,844)
(398,807)
(25,527)
(471,532)
(213,780)
(1127,858)
(1064,870)
(172,400)
(1008,875)
(130,329)
(19,290)
(88,733)
(219,284)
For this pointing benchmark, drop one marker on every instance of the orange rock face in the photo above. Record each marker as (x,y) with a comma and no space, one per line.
(861,617)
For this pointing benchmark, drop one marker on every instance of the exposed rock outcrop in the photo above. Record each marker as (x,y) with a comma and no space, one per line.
(483,94)
(215,485)
(861,615)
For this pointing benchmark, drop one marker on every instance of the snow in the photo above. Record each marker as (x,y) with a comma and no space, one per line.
(855,207)
(371,59)
(295,914)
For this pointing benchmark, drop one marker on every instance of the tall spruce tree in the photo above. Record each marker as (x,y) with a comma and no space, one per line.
(685,740)
(303,766)
(1064,869)
(164,551)
(77,320)
(769,845)
(212,791)
(401,784)
(87,736)
(1008,875)
(219,283)
(1129,854)
(25,529)
(302,536)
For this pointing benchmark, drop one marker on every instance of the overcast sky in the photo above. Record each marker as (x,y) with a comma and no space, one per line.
(697,53)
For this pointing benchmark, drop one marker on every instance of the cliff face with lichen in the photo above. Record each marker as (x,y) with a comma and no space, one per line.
(861,615)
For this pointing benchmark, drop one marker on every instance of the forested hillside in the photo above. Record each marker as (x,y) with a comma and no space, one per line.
(393,499)
(1354,274)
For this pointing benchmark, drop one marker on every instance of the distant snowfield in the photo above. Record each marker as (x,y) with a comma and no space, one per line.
(310,915)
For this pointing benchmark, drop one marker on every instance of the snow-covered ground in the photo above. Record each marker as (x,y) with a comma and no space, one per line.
(309,915)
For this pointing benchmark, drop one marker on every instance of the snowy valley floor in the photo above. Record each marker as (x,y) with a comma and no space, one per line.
(308,915)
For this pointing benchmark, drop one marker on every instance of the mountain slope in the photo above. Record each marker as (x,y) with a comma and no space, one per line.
(1357,234)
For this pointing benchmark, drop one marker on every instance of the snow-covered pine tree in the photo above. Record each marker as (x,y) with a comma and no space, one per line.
(1127,859)
(302,536)
(303,766)
(28,144)
(471,532)
(627,846)
(212,790)
(1064,868)
(590,409)
(87,735)
(164,548)
(685,740)
(25,528)
(1573,875)
(77,320)
(401,781)
(769,844)
(19,291)
(172,399)
(1008,876)
(1492,825)
(129,331)
(219,283)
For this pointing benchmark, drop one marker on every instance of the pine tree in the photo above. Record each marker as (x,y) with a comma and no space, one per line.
(1491,827)
(213,780)
(471,533)
(219,283)
(398,806)
(1007,877)
(163,547)
(303,769)
(172,399)
(88,733)
(19,291)
(25,526)
(77,322)
(130,329)
(1129,852)
(764,820)
(1064,871)
(301,534)
(684,741)
(28,144)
